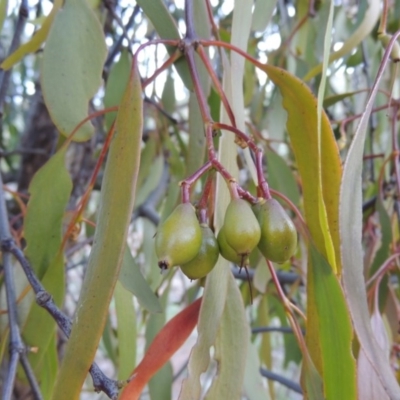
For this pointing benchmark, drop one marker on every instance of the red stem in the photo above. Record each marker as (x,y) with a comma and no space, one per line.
(217,84)
(163,67)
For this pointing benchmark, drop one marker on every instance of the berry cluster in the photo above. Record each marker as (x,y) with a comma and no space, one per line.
(182,240)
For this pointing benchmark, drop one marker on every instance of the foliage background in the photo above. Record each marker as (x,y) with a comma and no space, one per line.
(291,35)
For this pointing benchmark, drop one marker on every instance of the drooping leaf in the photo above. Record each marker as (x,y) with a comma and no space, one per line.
(37,39)
(72,66)
(230,347)
(281,178)
(115,209)
(350,221)
(386,238)
(335,331)
(262,14)
(165,344)
(363,30)
(126,331)
(54,282)
(160,385)
(209,319)
(49,369)
(45,212)
(369,386)
(133,281)
(116,84)
(331,100)
(311,381)
(301,105)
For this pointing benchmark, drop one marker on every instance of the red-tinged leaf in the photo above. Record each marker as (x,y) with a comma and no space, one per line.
(165,344)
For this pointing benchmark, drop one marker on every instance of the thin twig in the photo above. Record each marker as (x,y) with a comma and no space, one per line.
(6,75)
(100,381)
(16,345)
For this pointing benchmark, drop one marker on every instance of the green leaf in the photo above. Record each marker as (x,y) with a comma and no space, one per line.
(363,30)
(231,347)
(386,238)
(311,381)
(335,332)
(49,369)
(116,84)
(115,209)
(37,39)
(197,139)
(126,330)
(253,386)
(50,189)
(150,178)
(72,66)
(350,220)
(133,281)
(331,100)
(262,14)
(108,342)
(54,283)
(281,178)
(302,126)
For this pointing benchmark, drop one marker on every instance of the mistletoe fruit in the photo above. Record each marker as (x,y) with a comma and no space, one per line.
(226,250)
(278,234)
(241,228)
(206,258)
(178,238)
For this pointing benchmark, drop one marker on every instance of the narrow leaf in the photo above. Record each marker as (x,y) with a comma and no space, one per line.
(165,344)
(231,347)
(72,66)
(115,209)
(133,281)
(350,220)
(45,212)
(335,331)
(54,282)
(116,84)
(369,386)
(35,42)
(302,126)
(363,30)
(126,330)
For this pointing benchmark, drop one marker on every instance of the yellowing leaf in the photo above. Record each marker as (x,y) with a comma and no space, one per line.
(72,67)
(302,126)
